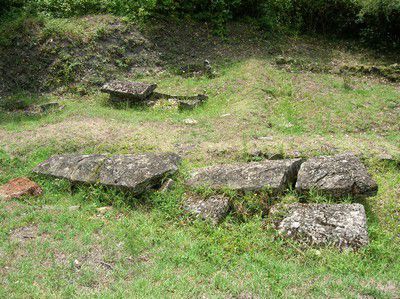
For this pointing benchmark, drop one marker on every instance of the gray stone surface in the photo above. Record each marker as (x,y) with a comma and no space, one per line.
(338,176)
(120,90)
(134,172)
(254,176)
(138,172)
(189,105)
(76,168)
(342,225)
(213,208)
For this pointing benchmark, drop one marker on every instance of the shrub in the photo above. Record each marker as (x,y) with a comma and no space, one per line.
(373,20)
(380,21)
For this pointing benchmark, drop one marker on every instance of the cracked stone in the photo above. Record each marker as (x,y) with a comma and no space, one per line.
(275,175)
(213,208)
(342,225)
(337,176)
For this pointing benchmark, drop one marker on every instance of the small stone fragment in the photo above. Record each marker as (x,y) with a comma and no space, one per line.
(342,225)
(74,208)
(191,102)
(18,187)
(167,185)
(254,176)
(337,176)
(190,121)
(43,108)
(103,210)
(214,208)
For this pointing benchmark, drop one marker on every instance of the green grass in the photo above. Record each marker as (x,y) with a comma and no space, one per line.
(147,247)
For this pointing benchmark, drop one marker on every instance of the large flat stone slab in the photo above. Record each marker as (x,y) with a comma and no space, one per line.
(74,167)
(213,208)
(120,90)
(337,176)
(342,225)
(254,176)
(138,171)
(134,172)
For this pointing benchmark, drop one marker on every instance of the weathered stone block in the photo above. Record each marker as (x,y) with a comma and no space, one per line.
(342,225)
(138,172)
(75,167)
(213,208)
(120,90)
(337,176)
(134,172)
(273,174)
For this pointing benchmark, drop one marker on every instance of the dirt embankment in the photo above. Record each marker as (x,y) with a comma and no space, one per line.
(45,55)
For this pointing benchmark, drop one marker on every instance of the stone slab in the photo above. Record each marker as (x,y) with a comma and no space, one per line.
(254,176)
(213,208)
(134,172)
(338,176)
(121,90)
(342,225)
(138,172)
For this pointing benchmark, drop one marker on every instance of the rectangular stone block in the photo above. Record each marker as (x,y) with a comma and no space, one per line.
(342,225)
(254,176)
(120,90)
(134,172)
(338,176)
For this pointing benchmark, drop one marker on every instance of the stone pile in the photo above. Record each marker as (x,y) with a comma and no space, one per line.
(140,92)
(342,225)
(337,176)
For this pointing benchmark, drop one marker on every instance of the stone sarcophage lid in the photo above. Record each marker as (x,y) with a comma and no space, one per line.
(134,172)
(275,175)
(337,176)
(123,90)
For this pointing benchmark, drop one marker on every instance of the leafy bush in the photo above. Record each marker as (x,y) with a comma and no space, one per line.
(381,21)
(373,20)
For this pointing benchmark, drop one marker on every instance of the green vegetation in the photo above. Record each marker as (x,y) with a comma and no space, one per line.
(147,247)
(375,21)
(274,95)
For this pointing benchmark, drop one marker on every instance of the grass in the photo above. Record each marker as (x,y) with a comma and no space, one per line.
(147,247)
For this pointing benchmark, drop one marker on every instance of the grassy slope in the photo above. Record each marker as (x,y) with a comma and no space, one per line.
(146,247)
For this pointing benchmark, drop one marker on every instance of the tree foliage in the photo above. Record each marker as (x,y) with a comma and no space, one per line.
(372,20)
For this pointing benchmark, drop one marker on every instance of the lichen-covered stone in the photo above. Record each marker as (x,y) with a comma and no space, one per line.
(337,176)
(120,90)
(134,172)
(275,175)
(213,208)
(138,172)
(74,167)
(342,225)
